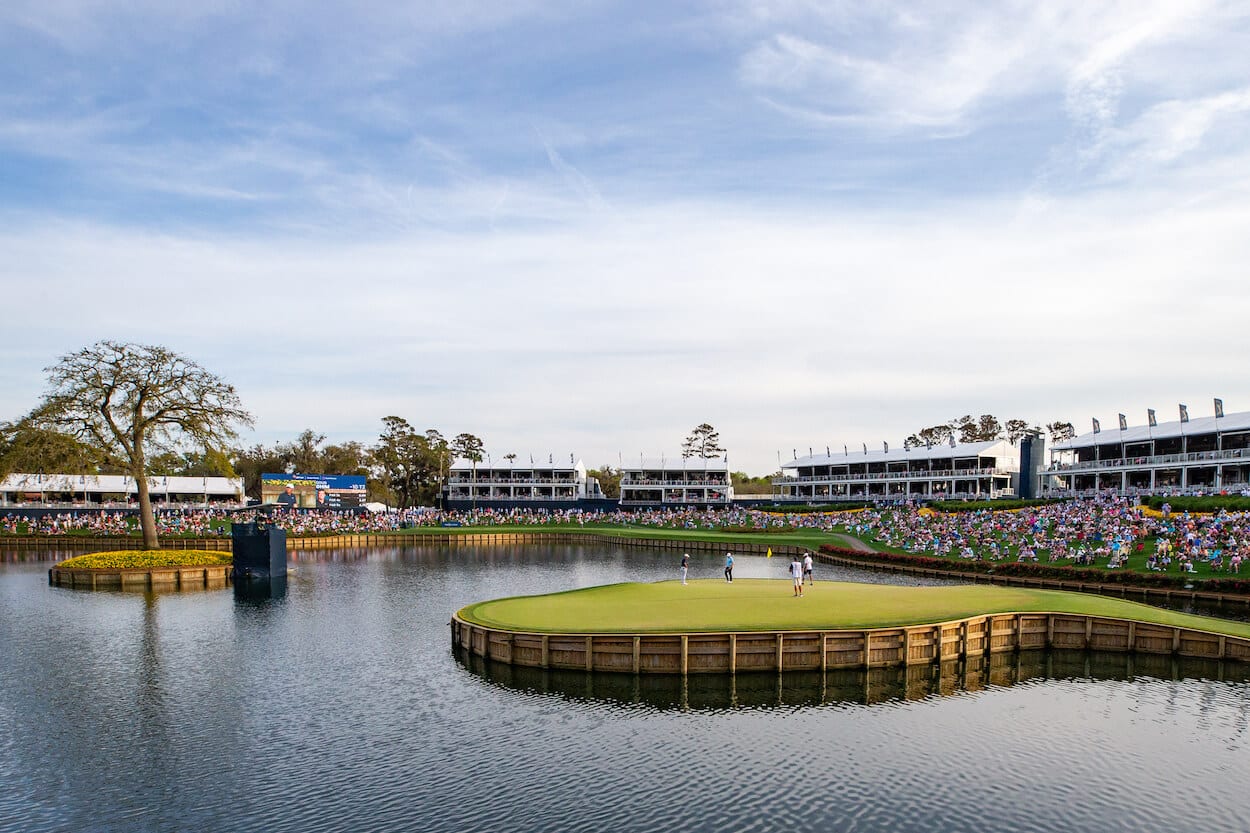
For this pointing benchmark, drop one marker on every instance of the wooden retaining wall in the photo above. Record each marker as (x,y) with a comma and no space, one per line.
(510,538)
(176,578)
(320,542)
(720,653)
(849,685)
(60,543)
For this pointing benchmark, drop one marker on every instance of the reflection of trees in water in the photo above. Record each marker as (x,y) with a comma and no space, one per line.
(846,686)
(152,720)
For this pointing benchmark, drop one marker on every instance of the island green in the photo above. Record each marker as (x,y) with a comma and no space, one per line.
(768,605)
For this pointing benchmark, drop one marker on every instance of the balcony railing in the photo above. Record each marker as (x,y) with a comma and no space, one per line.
(461,496)
(1154,461)
(675,483)
(1141,491)
(942,474)
(893,496)
(530,481)
(676,502)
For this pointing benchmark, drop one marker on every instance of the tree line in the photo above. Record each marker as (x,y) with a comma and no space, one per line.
(405,467)
(986,428)
(143,411)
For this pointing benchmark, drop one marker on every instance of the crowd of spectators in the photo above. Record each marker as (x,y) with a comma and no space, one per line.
(1086,531)
(1074,532)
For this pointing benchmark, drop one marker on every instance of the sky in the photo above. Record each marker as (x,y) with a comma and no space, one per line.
(588,227)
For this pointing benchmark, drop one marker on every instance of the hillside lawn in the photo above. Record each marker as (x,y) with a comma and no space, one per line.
(769,605)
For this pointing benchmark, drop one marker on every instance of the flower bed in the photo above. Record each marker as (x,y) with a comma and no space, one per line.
(147,559)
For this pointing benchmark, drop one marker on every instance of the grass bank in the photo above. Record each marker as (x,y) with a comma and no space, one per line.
(768,605)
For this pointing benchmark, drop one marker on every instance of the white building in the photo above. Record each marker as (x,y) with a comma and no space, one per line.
(966,470)
(676,482)
(519,481)
(1206,454)
(95,489)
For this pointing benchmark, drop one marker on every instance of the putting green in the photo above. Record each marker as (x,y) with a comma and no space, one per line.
(769,605)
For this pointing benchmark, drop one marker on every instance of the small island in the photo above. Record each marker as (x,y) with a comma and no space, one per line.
(714,627)
(144,569)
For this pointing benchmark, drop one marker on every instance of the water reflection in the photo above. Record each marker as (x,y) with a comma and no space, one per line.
(844,686)
(259,590)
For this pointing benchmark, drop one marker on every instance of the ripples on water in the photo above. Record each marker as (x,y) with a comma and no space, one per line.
(339,706)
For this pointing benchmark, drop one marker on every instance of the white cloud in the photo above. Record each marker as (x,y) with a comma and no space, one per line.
(900,66)
(1168,131)
(600,334)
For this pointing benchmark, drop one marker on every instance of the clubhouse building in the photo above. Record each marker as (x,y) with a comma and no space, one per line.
(982,470)
(681,482)
(1205,454)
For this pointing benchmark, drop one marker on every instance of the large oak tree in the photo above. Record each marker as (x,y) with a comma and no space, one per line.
(136,400)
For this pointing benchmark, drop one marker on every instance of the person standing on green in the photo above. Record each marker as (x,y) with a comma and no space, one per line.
(685,566)
(729,567)
(796,573)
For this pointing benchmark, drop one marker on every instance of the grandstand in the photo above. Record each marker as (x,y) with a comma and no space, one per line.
(116,489)
(981,470)
(1202,455)
(677,482)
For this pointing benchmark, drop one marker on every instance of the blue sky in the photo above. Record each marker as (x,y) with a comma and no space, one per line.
(588,227)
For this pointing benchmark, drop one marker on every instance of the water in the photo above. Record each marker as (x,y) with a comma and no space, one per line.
(340,706)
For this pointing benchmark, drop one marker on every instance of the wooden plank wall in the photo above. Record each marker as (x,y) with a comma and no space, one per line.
(713,653)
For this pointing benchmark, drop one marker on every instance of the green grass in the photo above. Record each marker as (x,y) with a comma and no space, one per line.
(768,605)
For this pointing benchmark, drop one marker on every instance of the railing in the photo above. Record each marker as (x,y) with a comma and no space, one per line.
(893,497)
(1142,491)
(573,496)
(674,483)
(520,481)
(677,501)
(157,503)
(942,474)
(1154,460)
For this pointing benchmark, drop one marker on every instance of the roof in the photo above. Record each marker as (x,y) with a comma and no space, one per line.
(1164,430)
(159,484)
(877,455)
(675,463)
(521,463)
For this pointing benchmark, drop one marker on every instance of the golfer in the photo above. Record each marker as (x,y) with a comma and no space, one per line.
(796,573)
(685,566)
(807,568)
(729,566)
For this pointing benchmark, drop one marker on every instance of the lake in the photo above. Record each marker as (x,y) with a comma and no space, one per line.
(340,706)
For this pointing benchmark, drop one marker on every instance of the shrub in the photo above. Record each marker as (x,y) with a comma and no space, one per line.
(1208,503)
(992,505)
(807,508)
(769,530)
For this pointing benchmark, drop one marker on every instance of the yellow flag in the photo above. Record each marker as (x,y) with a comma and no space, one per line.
(770,553)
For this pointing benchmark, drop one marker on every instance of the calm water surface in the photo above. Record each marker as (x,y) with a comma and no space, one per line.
(340,706)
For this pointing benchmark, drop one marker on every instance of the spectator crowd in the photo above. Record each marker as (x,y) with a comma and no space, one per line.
(1099,530)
